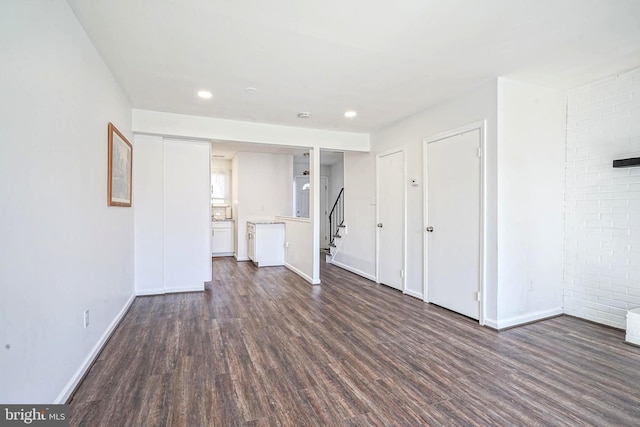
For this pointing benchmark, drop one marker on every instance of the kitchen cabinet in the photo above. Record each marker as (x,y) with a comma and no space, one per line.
(222,238)
(265,243)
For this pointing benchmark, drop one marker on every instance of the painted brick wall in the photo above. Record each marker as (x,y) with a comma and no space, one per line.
(602,204)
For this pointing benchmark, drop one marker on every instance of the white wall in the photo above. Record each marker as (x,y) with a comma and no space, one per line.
(358,249)
(299,168)
(523,206)
(194,127)
(336,181)
(601,221)
(172,217)
(530,197)
(263,191)
(62,250)
(221,164)
(299,251)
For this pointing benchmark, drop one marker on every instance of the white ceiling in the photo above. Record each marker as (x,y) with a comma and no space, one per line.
(385,59)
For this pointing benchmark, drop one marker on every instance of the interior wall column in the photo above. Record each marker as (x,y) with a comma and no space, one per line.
(314,172)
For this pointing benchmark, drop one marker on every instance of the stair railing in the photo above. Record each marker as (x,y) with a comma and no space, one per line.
(336,217)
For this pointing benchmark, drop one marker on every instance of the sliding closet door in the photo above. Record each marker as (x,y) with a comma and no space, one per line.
(186,219)
(147,212)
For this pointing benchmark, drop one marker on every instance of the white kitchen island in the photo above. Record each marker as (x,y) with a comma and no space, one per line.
(266,242)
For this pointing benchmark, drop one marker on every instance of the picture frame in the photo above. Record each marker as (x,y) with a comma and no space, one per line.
(120,169)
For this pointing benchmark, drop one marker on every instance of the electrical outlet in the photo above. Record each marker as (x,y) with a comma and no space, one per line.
(86,318)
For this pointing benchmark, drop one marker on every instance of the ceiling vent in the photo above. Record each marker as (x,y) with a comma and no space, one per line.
(304,115)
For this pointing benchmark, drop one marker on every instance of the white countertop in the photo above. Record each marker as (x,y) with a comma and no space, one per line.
(264,222)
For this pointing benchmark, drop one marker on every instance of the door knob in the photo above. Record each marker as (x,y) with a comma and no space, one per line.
(430,229)
(379,225)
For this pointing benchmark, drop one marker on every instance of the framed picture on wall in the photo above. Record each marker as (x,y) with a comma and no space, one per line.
(120,168)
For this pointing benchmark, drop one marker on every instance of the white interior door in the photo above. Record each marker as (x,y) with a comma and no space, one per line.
(453,224)
(390,177)
(324,214)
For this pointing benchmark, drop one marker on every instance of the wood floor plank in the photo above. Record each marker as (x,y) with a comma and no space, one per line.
(260,347)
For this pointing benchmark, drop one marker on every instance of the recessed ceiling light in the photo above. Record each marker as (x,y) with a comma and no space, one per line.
(304,115)
(250,89)
(204,94)
(350,114)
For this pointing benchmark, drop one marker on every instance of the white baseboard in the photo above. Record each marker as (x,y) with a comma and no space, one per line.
(163,291)
(525,318)
(414,294)
(181,290)
(491,323)
(241,259)
(301,274)
(95,351)
(159,291)
(354,270)
(222,254)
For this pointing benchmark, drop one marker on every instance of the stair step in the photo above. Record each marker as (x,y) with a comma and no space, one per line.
(337,235)
(332,245)
(342,226)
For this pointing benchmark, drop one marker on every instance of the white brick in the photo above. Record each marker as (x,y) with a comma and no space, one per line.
(599,293)
(623,285)
(601,242)
(613,304)
(629,299)
(618,115)
(613,288)
(622,312)
(616,99)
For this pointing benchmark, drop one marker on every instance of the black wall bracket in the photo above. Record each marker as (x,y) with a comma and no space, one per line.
(626,163)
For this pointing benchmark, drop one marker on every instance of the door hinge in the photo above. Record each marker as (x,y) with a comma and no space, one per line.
(479,152)
(402,273)
(477,296)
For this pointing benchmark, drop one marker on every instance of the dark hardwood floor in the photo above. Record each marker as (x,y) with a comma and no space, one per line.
(261,347)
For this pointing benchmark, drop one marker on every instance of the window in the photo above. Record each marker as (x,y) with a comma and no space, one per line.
(220,187)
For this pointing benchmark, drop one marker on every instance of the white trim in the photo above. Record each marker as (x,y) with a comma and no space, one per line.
(75,380)
(491,323)
(301,274)
(184,290)
(404,213)
(291,218)
(525,318)
(354,270)
(220,255)
(241,259)
(324,216)
(482,127)
(414,294)
(146,292)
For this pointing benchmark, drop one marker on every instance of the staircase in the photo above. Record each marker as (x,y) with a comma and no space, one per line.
(337,227)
